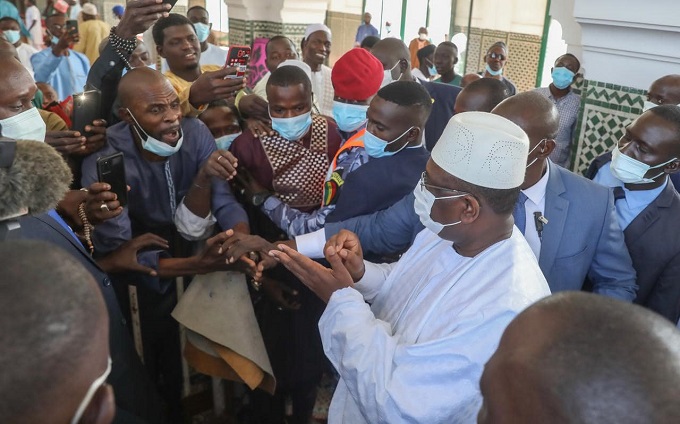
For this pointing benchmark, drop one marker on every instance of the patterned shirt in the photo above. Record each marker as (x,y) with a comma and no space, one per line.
(322,87)
(568,108)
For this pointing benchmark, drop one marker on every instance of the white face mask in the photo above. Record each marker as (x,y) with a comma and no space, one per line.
(648,105)
(387,76)
(96,384)
(632,171)
(422,37)
(423,207)
(531,151)
(28,125)
(155,146)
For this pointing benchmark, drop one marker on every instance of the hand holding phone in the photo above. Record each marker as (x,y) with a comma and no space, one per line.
(111,170)
(72,27)
(238,57)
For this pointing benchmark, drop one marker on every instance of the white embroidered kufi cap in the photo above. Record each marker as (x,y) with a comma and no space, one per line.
(298,63)
(483,149)
(317,27)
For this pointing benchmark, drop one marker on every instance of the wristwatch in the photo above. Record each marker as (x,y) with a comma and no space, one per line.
(259,198)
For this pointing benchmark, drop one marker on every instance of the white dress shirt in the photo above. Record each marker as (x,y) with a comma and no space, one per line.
(535,203)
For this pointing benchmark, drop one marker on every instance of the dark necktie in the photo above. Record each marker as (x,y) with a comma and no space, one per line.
(619,193)
(519,213)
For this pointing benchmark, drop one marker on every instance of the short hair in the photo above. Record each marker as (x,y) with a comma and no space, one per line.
(278,38)
(578,62)
(286,76)
(198,7)
(173,19)
(609,361)
(500,44)
(50,309)
(449,44)
(8,18)
(493,91)
(369,42)
(425,52)
(501,201)
(670,113)
(407,94)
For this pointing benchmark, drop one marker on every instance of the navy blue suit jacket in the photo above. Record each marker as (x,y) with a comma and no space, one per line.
(654,246)
(582,238)
(444,98)
(136,399)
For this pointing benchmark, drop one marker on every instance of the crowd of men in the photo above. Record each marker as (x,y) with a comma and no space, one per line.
(412,233)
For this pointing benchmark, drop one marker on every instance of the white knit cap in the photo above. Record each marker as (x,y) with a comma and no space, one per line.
(317,27)
(483,149)
(89,9)
(300,64)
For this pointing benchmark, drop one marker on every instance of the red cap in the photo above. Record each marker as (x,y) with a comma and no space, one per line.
(357,75)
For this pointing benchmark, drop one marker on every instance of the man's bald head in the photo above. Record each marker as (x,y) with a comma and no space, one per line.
(665,90)
(583,358)
(391,50)
(532,112)
(139,81)
(481,96)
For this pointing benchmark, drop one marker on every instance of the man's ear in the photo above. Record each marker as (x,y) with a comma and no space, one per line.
(210,26)
(413,134)
(403,65)
(455,60)
(124,115)
(672,167)
(159,50)
(471,210)
(101,409)
(547,148)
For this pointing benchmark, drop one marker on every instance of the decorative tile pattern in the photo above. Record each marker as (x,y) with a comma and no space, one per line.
(243,32)
(525,50)
(605,111)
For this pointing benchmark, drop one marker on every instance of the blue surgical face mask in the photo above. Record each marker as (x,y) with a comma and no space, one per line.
(375,146)
(349,117)
(562,77)
(432,70)
(155,146)
(292,128)
(492,72)
(224,142)
(632,171)
(12,36)
(55,40)
(202,31)
(28,125)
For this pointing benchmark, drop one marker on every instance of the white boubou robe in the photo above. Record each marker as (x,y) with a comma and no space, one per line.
(416,353)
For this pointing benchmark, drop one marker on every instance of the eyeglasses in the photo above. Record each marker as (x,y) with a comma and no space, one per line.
(424,185)
(494,55)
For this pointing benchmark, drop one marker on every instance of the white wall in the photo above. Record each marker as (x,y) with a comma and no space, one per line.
(629,42)
(522,16)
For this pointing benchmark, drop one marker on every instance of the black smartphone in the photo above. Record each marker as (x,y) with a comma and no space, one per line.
(86,108)
(170,2)
(111,170)
(72,26)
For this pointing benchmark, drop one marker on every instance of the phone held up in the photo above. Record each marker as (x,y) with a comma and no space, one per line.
(111,170)
(238,57)
(72,26)
(86,108)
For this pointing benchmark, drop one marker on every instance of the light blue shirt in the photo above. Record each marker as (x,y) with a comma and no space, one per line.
(66,74)
(635,202)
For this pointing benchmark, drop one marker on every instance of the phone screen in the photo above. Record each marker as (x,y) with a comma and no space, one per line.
(86,108)
(72,26)
(238,57)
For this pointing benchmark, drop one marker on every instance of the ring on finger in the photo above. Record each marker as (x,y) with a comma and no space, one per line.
(104,207)
(219,158)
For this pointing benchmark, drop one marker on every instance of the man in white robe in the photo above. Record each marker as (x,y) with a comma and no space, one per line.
(410,339)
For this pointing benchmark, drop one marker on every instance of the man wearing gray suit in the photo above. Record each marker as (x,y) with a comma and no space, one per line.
(647,205)
(569,222)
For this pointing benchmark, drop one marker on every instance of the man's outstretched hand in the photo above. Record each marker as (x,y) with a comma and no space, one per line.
(321,280)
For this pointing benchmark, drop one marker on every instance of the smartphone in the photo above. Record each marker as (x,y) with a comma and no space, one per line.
(238,57)
(170,2)
(86,108)
(72,26)
(111,170)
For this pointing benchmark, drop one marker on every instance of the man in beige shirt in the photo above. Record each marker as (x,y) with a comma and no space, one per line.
(91,31)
